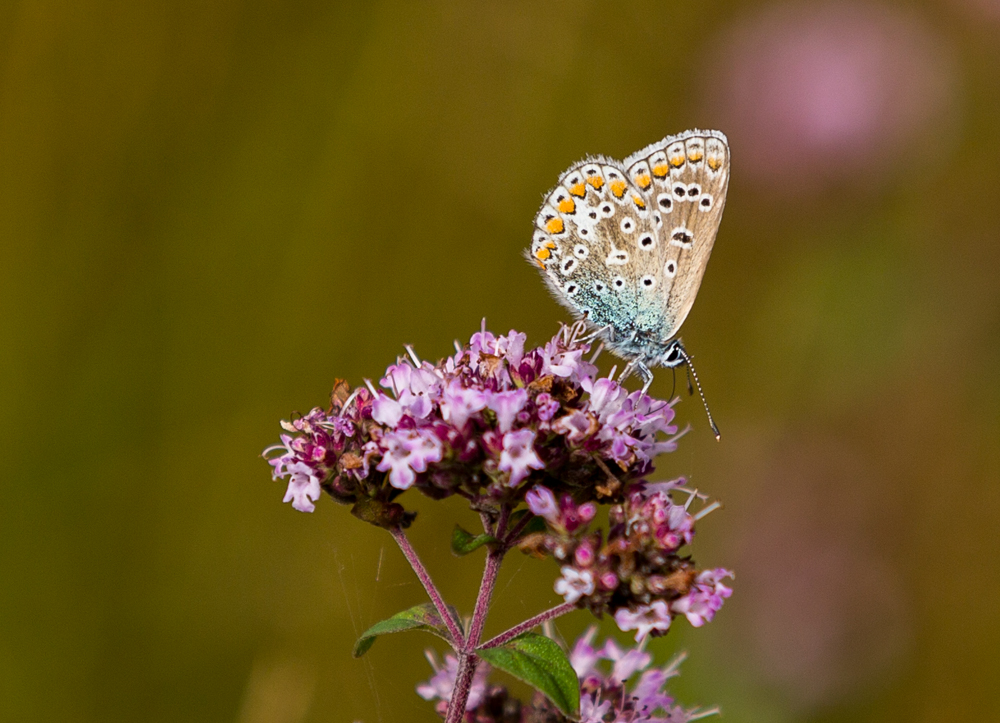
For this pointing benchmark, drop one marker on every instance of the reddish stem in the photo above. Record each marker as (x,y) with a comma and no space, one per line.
(493,560)
(467,665)
(518,527)
(527,625)
(458,641)
(467,660)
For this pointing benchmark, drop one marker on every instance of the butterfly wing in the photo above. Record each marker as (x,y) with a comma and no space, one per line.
(684,178)
(586,237)
(625,245)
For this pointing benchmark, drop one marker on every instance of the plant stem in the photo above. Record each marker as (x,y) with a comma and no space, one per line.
(512,535)
(493,560)
(467,660)
(467,664)
(528,625)
(459,642)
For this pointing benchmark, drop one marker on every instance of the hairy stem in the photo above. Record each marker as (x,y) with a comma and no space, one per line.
(458,640)
(493,560)
(467,664)
(527,625)
(511,537)
(467,660)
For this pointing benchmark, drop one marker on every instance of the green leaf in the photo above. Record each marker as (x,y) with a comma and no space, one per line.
(422,617)
(542,664)
(462,542)
(536,524)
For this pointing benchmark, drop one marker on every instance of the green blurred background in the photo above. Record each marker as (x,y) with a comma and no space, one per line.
(209,210)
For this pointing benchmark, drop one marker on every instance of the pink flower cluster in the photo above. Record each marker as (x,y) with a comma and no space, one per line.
(605,697)
(610,692)
(489,423)
(441,686)
(638,573)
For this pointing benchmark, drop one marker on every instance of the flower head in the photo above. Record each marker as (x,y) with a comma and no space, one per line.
(644,619)
(705,597)
(637,572)
(490,423)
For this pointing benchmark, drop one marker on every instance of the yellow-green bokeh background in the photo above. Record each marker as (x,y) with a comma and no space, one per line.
(209,210)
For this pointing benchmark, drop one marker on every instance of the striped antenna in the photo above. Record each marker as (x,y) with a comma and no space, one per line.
(693,373)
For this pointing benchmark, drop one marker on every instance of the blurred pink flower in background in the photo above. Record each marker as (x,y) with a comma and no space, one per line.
(827,613)
(989,9)
(814,93)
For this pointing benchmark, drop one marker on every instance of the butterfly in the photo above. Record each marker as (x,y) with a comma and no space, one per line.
(624,244)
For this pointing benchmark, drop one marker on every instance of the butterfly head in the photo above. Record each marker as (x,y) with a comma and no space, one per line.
(673,355)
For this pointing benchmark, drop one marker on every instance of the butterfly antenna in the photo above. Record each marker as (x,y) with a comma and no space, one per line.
(690,366)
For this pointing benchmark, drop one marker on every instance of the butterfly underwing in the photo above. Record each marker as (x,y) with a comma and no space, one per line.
(624,245)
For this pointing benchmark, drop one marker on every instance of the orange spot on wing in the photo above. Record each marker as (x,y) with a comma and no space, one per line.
(567,205)
(595,181)
(643,180)
(542,253)
(661,171)
(618,188)
(554,225)
(578,190)
(638,202)
(715,163)
(695,156)
(677,161)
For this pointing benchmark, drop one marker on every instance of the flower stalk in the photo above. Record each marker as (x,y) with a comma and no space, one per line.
(443,610)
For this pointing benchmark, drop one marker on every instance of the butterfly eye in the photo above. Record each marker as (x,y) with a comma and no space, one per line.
(599,287)
(705,204)
(571,288)
(670,270)
(648,282)
(619,282)
(627,225)
(666,203)
(607,210)
(694,190)
(646,242)
(581,251)
(680,191)
(568,265)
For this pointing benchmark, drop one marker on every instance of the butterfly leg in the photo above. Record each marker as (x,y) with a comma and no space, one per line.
(626,372)
(638,366)
(589,338)
(646,373)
